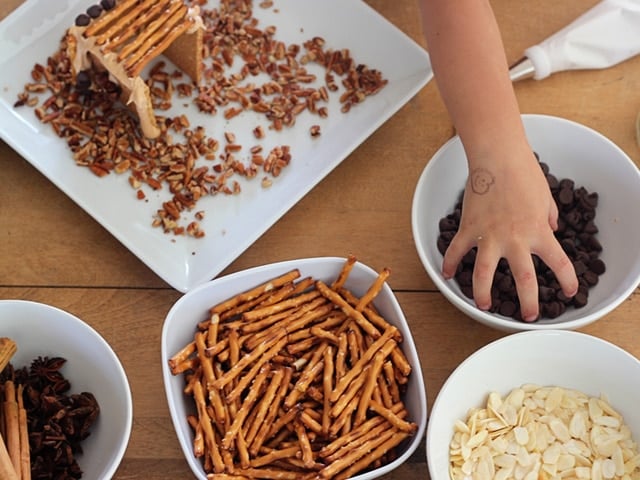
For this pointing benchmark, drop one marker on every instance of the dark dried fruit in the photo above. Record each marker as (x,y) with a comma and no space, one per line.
(57,421)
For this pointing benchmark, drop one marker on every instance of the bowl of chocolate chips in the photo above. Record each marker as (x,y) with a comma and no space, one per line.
(596,187)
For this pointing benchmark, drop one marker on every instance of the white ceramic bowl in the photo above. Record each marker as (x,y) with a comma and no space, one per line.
(91,366)
(572,151)
(553,357)
(180,324)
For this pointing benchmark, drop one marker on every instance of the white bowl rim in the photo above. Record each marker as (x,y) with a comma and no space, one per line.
(494,320)
(128,413)
(496,343)
(289,264)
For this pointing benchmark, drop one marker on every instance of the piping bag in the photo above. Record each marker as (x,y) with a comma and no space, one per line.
(603,36)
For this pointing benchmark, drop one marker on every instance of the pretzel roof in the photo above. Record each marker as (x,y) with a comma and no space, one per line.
(137,31)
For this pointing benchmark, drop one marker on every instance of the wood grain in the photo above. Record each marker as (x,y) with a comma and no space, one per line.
(53,252)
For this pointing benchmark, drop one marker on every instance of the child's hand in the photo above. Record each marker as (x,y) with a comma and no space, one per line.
(509,212)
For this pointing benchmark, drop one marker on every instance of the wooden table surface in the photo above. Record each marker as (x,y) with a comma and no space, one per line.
(55,253)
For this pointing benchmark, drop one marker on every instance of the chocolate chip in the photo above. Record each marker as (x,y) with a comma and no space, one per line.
(94,11)
(508,308)
(83,80)
(565,196)
(591,278)
(108,4)
(597,266)
(552,181)
(83,20)
(448,224)
(546,294)
(579,267)
(580,300)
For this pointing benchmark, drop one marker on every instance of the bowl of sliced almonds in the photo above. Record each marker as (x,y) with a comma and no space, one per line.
(538,405)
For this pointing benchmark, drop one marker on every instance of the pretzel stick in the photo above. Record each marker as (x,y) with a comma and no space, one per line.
(274,455)
(238,420)
(264,429)
(129,21)
(244,362)
(274,308)
(7,349)
(283,420)
(370,384)
(150,27)
(267,298)
(266,326)
(131,30)
(392,418)
(265,403)
(182,356)
(205,362)
(374,290)
(336,298)
(263,360)
(400,361)
(172,28)
(270,473)
(308,375)
(340,464)
(305,445)
(385,396)
(290,325)
(347,266)
(107,18)
(341,356)
(357,368)
(360,432)
(221,410)
(243,453)
(327,385)
(351,392)
(389,374)
(254,292)
(311,423)
(382,449)
(212,330)
(345,416)
(207,429)
(198,437)
(361,439)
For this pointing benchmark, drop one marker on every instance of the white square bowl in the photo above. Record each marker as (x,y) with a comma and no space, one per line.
(91,365)
(562,358)
(193,307)
(573,151)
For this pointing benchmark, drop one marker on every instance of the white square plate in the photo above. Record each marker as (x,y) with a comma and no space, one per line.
(232,223)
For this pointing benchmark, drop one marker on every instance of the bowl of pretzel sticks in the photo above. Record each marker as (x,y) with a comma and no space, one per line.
(67,409)
(299,369)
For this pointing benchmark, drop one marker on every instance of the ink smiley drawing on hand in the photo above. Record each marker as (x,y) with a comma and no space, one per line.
(481,180)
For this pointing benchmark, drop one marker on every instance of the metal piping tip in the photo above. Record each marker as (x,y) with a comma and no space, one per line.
(522,70)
